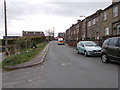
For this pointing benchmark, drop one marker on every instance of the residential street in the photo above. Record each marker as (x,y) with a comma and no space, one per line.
(64,68)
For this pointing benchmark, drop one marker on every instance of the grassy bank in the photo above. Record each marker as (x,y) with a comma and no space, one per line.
(24,56)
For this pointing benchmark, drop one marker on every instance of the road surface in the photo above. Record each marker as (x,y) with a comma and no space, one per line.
(64,68)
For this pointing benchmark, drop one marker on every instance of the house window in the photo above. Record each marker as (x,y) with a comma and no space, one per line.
(94,21)
(89,23)
(106,31)
(105,16)
(97,19)
(118,29)
(115,11)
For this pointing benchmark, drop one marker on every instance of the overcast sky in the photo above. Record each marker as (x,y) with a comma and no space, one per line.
(40,15)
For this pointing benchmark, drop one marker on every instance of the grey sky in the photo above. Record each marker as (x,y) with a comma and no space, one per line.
(45,15)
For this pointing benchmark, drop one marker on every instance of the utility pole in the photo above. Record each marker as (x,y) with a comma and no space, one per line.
(5,18)
(53,31)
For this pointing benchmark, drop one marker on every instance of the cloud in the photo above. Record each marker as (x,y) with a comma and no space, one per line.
(24,14)
(20,10)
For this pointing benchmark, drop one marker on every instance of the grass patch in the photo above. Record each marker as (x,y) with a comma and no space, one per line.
(24,56)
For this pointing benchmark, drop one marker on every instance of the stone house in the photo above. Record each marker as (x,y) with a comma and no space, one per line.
(33,34)
(110,20)
(93,26)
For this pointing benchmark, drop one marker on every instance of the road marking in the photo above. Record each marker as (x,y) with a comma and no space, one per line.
(63,64)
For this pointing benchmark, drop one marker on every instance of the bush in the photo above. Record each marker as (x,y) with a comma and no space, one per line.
(21,43)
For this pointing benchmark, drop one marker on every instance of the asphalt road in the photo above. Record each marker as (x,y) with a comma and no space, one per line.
(64,68)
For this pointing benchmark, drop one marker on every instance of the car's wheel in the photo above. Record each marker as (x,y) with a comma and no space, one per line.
(104,58)
(85,53)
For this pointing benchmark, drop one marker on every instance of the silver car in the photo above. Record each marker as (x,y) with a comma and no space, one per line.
(88,48)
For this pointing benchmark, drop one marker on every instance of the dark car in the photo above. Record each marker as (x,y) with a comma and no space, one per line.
(111,50)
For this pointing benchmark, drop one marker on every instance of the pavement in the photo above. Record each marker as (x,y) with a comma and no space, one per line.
(35,61)
(2,56)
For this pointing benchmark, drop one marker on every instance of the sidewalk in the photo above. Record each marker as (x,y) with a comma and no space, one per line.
(35,61)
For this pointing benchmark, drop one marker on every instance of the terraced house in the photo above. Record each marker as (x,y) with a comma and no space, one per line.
(74,33)
(84,29)
(110,21)
(98,26)
(33,34)
(93,26)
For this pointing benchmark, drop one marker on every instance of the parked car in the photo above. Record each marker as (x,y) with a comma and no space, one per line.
(111,50)
(61,41)
(88,48)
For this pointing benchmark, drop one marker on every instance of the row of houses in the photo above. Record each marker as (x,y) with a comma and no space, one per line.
(27,34)
(98,26)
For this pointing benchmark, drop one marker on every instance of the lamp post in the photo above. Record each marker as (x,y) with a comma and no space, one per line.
(5,18)
(85,26)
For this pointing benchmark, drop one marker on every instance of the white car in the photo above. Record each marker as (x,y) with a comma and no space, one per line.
(88,48)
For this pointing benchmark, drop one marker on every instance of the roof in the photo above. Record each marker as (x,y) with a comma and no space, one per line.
(112,5)
(32,31)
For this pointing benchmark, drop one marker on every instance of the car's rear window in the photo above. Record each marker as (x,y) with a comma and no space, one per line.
(106,42)
(113,42)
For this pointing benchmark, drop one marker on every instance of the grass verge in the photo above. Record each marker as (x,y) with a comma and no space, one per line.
(24,56)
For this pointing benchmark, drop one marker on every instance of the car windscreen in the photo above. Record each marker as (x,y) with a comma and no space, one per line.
(90,43)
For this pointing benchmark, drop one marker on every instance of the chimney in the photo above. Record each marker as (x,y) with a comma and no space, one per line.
(78,21)
(114,1)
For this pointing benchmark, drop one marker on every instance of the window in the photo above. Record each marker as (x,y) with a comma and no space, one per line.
(119,43)
(89,23)
(94,21)
(118,29)
(106,42)
(113,42)
(105,16)
(81,44)
(106,31)
(115,11)
(97,19)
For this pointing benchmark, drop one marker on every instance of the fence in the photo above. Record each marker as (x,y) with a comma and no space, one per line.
(17,45)
(74,43)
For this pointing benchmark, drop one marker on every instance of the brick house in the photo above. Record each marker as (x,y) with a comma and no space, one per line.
(93,26)
(67,35)
(83,29)
(98,26)
(33,34)
(110,20)
(74,33)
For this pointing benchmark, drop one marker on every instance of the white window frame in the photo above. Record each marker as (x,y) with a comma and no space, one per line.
(97,19)
(89,23)
(107,30)
(104,15)
(115,11)
(118,29)
(94,21)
